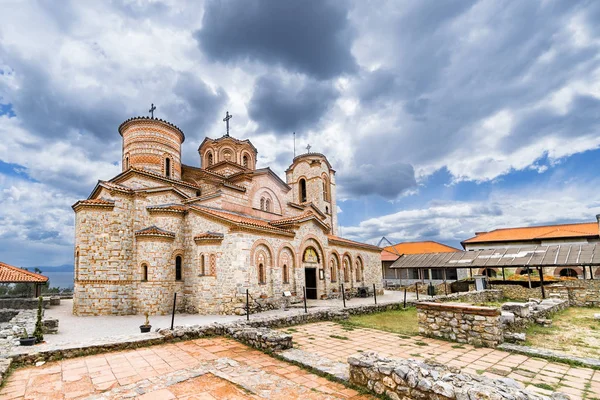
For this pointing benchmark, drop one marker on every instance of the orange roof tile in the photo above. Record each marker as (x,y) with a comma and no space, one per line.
(419,248)
(585,229)
(209,236)
(93,203)
(240,219)
(342,241)
(154,231)
(10,274)
(387,256)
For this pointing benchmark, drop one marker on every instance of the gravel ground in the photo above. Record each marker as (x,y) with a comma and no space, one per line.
(74,328)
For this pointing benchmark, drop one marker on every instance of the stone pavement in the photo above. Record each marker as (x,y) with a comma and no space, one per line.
(212,368)
(336,343)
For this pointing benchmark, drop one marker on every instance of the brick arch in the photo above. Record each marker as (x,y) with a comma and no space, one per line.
(348,257)
(558,270)
(222,152)
(300,189)
(208,151)
(178,252)
(258,193)
(522,270)
(256,245)
(360,265)
(250,159)
(288,246)
(482,271)
(333,254)
(305,244)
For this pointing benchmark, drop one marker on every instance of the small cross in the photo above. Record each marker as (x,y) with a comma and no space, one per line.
(226,119)
(151,110)
(308,148)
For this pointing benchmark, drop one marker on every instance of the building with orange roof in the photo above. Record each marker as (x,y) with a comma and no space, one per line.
(210,232)
(390,254)
(543,235)
(11,274)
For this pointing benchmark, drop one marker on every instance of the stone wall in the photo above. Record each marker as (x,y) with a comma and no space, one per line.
(579,293)
(518,292)
(261,338)
(479,326)
(411,379)
(518,316)
(22,303)
(482,296)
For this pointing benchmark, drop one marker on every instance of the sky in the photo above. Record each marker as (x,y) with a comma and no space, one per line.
(441,118)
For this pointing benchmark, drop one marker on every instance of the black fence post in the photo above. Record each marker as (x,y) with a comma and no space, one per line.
(305,309)
(375,293)
(417,289)
(247,305)
(405,297)
(343,295)
(541,271)
(173,315)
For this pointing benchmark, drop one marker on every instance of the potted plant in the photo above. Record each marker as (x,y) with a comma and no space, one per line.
(26,340)
(146,327)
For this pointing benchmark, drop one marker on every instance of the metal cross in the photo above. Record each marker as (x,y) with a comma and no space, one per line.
(308,148)
(226,119)
(151,110)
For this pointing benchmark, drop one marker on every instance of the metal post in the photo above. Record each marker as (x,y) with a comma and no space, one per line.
(417,289)
(173,315)
(542,282)
(343,295)
(305,309)
(445,283)
(375,293)
(247,305)
(503,276)
(591,273)
(529,276)
(405,297)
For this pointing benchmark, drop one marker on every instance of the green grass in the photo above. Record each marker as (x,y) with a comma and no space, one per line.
(544,386)
(338,337)
(403,322)
(419,343)
(458,346)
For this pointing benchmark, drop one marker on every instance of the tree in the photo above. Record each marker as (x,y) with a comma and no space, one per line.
(39,328)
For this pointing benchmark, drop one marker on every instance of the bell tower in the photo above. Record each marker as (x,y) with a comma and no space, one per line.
(313,181)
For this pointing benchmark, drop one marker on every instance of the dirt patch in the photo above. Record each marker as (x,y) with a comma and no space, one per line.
(573,331)
(397,321)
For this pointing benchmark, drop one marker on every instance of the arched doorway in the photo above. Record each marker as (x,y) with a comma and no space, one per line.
(568,272)
(310,260)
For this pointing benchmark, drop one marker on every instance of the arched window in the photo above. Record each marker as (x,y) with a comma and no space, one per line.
(302,190)
(144,272)
(346,271)
(168,167)
(77,264)
(333,271)
(326,209)
(286,274)
(262,203)
(178,272)
(202,265)
(210,159)
(245,161)
(268,205)
(358,278)
(127,162)
(262,278)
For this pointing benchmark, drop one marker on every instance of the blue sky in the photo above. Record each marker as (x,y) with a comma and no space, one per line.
(441,118)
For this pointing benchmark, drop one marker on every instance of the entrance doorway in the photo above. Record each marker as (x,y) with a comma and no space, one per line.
(310,278)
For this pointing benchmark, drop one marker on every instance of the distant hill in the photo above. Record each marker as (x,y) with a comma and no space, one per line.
(55,268)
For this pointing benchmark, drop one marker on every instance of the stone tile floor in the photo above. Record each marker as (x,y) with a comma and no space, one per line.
(579,383)
(213,368)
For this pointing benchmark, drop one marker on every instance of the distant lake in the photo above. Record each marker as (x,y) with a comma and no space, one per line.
(60,278)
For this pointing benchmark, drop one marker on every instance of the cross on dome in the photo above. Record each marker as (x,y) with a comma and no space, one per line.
(308,148)
(226,120)
(151,110)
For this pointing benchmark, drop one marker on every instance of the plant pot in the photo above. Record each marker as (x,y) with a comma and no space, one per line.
(145,328)
(30,341)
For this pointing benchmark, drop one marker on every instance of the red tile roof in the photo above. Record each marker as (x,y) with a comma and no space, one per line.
(154,231)
(209,236)
(10,274)
(387,256)
(93,203)
(239,219)
(585,229)
(428,246)
(347,242)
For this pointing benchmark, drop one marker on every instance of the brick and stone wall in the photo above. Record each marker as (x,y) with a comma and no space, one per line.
(482,296)
(261,338)
(411,379)
(579,293)
(479,326)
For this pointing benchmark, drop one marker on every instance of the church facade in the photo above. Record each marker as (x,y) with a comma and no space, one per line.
(210,233)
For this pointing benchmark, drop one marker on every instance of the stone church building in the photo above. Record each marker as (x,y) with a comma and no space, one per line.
(208,233)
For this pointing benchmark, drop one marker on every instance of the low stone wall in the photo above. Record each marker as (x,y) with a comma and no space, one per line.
(261,338)
(4,367)
(482,296)
(518,292)
(463,323)
(579,293)
(410,379)
(22,303)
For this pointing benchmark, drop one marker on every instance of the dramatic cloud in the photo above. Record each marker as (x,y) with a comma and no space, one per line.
(311,37)
(368,179)
(286,104)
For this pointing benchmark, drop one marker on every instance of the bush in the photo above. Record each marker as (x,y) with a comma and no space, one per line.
(39,328)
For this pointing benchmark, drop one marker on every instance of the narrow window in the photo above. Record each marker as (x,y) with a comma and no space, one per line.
(268,205)
(333,271)
(77,264)
(144,272)
(346,272)
(245,161)
(326,209)
(178,268)
(210,159)
(261,274)
(286,275)
(127,162)
(302,190)
(168,167)
(262,203)
(202,265)
(358,272)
